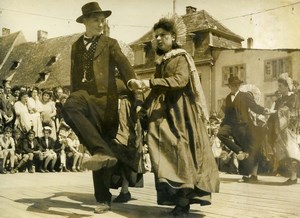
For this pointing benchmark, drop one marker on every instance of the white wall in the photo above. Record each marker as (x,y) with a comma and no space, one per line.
(254,60)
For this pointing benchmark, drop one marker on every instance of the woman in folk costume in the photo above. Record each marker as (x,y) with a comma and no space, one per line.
(184,167)
(282,127)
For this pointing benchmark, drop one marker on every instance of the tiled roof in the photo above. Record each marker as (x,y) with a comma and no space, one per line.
(202,21)
(196,22)
(6,44)
(34,58)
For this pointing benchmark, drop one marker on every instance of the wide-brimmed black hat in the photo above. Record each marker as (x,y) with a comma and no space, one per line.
(234,80)
(90,8)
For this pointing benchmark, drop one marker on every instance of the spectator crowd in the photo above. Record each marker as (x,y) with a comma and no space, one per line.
(33,134)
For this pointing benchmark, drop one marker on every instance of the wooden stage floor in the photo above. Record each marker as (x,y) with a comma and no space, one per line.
(70,195)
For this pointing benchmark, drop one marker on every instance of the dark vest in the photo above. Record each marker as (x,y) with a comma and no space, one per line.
(86,66)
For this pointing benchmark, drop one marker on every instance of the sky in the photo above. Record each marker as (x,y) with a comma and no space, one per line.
(271,23)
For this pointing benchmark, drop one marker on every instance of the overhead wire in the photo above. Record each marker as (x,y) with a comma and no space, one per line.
(130,25)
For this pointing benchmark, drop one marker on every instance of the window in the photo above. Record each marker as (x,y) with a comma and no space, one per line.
(275,67)
(234,70)
(15,65)
(139,55)
(43,76)
(52,60)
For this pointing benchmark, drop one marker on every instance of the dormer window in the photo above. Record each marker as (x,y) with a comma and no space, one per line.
(15,65)
(52,60)
(43,76)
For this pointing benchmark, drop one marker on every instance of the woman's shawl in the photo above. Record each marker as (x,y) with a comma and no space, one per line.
(195,83)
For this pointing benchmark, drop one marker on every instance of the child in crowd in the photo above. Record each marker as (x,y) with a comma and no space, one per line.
(20,157)
(49,154)
(215,143)
(59,148)
(73,152)
(34,150)
(7,145)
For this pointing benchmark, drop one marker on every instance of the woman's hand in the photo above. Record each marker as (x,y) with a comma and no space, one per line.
(140,111)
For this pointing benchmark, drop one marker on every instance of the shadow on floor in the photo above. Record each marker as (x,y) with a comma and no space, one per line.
(259,182)
(82,205)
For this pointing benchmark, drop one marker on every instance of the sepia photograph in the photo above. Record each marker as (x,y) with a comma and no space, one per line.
(155,109)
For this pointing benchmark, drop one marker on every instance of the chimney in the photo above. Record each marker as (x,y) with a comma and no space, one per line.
(42,35)
(190,9)
(5,31)
(250,42)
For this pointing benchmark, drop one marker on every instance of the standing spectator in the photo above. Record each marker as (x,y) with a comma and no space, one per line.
(34,150)
(9,102)
(35,108)
(16,92)
(58,92)
(48,112)
(8,94)
(6,110)
(23,119)
(7,145)
(59,107)
(47,143)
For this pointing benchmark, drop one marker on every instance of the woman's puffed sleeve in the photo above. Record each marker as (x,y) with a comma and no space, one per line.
(179,78)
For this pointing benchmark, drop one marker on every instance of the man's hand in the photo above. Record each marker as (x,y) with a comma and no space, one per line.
(267,111)
(135,84)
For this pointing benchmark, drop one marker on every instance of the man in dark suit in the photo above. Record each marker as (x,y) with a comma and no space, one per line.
(236,130)
(92,108)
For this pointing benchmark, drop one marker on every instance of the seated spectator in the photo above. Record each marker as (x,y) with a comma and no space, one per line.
(85,153)
(2,168)
(20,157)
(59,148)
(47,143)
(73,153)
(33,148)
(7,145)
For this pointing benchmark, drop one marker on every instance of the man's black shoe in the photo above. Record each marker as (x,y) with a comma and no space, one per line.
(122,197)
(180,211)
